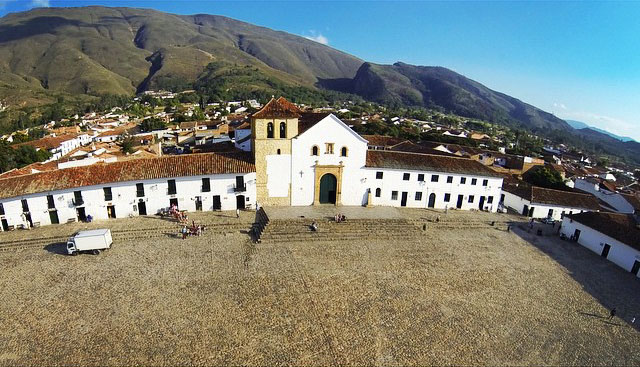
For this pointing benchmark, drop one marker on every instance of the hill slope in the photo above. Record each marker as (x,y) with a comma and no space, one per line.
(95,50)
(434,87)
(581,125)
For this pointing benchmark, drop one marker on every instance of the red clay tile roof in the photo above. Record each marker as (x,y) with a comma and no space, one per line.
(541,195)
(383,141)
(276,109)
(131,170)
(308,119)
(632,199)
(48,143)
(410,147)
(427,162)
(622,227)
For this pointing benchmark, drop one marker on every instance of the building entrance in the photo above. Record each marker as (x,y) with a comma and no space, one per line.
(328,187)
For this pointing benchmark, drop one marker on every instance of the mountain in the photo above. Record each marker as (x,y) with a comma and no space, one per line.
(98,50)
(581,125)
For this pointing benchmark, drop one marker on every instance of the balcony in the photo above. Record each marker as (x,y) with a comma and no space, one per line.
(242,188)
(77,201)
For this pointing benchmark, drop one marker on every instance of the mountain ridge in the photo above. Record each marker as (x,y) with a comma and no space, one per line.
(579,125)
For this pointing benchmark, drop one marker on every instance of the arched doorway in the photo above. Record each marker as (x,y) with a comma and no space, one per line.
(328,187)
(432,200)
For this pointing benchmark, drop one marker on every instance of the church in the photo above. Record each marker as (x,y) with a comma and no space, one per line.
(304,158)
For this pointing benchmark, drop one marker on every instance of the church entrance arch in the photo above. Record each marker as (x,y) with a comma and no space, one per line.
(328,189)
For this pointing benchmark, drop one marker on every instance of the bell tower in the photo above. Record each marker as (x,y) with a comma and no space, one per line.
(272,129)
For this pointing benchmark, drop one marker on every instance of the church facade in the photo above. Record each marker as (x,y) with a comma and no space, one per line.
(311,159)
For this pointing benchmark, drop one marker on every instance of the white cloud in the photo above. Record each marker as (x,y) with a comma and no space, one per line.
(560,105)
(29,5)
(40,3)
(611,124)
(317,37)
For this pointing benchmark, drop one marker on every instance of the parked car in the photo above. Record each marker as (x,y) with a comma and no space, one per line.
(548,221)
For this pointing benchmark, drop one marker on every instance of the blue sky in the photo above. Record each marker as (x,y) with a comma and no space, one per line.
(579,60)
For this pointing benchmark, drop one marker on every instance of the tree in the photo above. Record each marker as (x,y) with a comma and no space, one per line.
(545,177)
(153,124)
(127,145)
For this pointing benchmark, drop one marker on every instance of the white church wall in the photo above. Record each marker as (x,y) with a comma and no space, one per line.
(328,130)
(278,175)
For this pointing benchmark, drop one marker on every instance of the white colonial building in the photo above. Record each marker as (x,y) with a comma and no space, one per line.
(539,202)
(614,236)
(122,189)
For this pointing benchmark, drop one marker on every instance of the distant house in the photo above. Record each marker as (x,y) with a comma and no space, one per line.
(242,137)
(605,191)
(539,202)
(614,236)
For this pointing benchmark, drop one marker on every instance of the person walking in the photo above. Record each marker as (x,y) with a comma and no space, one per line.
(184,232)
(612,313)
(237,213)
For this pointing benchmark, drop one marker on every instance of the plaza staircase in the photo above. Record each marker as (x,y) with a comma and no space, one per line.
(298,230)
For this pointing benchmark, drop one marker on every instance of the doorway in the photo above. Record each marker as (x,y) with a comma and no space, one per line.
(481,204)
(531,211)
(53,216)
(198,203)
(240,202)
(328,187)
(111,211)
(173,203)
(605,250)
(217,204)
(525,210)
(459,203)
(5,225)
(405,195)
(636,268)
(142,207)
(81,214)
(432,200)
(576,235)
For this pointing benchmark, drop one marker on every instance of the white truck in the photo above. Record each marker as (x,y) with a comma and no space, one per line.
(89,241)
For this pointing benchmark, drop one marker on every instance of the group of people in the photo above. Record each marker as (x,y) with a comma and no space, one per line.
(178,215)
(193,230)
(339,218)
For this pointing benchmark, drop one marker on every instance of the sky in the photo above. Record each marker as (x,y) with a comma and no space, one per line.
(578,60)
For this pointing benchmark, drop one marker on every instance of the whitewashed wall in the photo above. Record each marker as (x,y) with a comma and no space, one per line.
(241,134)
(615,200)
(125,200)
(328,130)
(392,180)
(619,253)
(539,210)
(278,175)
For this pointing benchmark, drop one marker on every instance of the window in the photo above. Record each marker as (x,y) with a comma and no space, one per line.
(490,200)
(139,190)
(278,151)
(471,198)
(447,198)
(329,148)
(434,178)
(25,205)
(314,150)
(77,198)
(463,180)
(378,192)
(449,179)
(1,209)
(485,182)
(394,195)
(406,176)
(343,152)
(206,184)
(474,181)
(107,194)
(172,187)
(270,130)
(379,175)
(550,213)
(50,203)
(283,130)
(418,196)
(420,177)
